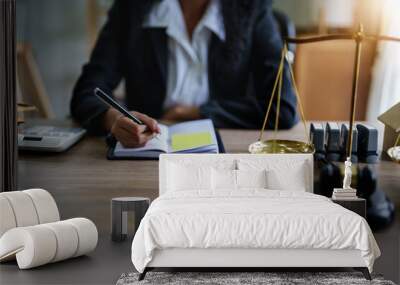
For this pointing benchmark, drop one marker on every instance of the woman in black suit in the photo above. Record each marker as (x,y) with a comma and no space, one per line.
(184,60)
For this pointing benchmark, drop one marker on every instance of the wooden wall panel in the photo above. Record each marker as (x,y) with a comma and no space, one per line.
(324,74)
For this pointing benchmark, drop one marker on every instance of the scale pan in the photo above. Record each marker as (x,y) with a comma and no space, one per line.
(394,153)
(280,146)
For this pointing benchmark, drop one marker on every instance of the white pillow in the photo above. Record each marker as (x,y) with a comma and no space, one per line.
(237,179)
(185,175)
(251,178)
(293,179)
(282,174)
(223,179)
(182,177)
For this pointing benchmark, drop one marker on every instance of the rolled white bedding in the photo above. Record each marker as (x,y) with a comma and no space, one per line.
(41,244)
(31,231)
(26,208)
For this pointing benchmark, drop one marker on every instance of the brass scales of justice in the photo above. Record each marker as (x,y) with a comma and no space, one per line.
(289,146)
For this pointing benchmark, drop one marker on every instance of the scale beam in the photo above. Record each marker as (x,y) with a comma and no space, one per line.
(284,146)
(382,38)
(334,37)
(314,39)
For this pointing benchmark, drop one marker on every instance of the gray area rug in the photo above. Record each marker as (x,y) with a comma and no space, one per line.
(273,278)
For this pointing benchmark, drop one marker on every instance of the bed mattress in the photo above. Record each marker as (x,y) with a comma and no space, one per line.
(250,219)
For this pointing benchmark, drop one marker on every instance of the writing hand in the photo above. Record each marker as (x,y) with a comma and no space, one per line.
(127,132)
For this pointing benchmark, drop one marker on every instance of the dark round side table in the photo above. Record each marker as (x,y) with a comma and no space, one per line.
(120,207)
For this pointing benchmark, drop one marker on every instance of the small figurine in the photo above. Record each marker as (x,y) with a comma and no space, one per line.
(394,153)
(347,174)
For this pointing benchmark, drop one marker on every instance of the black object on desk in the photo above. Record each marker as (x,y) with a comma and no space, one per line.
(380,209)
(332,141)
(120,207)
(358,205)
(317,137)
(367,143)
(329,178)
(344,132)
(334,145)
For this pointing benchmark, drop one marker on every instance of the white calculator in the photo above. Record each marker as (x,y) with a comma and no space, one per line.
(49,138)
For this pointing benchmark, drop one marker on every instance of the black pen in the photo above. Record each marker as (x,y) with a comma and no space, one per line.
(111,102)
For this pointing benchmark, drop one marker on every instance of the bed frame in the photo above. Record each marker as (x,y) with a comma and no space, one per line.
(236,259)
(260,259)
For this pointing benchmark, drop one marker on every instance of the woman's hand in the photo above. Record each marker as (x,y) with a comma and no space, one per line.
(182,113)
(127,132)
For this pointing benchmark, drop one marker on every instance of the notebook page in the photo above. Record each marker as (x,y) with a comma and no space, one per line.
(196,128)
(182,142)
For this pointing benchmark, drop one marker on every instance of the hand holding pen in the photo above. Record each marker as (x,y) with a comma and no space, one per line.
(132,129)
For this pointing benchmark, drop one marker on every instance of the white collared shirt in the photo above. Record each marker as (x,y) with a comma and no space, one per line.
(187,81)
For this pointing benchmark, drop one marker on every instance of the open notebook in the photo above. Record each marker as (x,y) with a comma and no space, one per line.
(188,137)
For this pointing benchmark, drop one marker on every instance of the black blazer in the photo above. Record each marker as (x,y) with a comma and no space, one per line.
(241,71)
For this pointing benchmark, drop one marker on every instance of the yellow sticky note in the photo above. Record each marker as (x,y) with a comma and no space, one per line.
(186,141)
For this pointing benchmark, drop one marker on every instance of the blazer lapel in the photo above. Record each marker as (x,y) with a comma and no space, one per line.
(213,60)
(159,45)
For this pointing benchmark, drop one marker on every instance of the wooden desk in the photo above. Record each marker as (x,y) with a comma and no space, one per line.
(83,182)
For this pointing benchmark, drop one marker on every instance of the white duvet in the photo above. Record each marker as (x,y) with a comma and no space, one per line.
(250,219)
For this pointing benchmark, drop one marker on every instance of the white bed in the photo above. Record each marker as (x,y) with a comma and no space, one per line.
(202,220)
